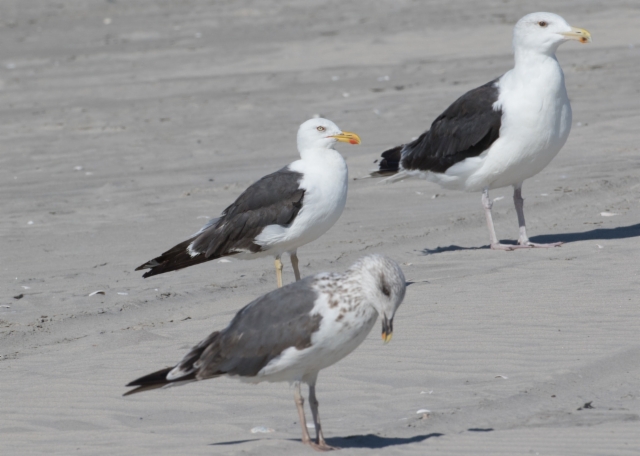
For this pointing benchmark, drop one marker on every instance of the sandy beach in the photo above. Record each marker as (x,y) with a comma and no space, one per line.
(124,126)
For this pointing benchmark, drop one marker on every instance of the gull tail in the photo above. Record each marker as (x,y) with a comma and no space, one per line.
(178,257)
(184,372)
(158,380)
(390,162)
(152,381)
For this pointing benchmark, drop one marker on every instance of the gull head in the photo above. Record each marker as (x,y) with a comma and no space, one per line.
(544,32)
(322,133)
(383,286)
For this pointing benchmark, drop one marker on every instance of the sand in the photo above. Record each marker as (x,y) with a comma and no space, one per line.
(124,125)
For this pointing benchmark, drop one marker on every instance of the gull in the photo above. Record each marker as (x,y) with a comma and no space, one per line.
(502,132)
(279,213)
(291,333)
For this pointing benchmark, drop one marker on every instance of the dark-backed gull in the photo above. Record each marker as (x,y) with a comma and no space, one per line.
(503,132)
(293,332)
(279,213)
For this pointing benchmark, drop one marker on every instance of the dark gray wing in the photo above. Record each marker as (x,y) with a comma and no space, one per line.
(258,333)
(275,199)
(261,331)
(466,129)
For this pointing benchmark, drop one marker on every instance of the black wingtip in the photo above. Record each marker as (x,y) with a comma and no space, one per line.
(390,162)
(149,273)
(142,389)
(151,381)
(174,259)
(153,377)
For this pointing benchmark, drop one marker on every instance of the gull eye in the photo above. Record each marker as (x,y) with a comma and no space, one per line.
(542,23)
(321,129)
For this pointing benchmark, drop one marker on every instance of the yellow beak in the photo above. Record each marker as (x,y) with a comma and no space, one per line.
(578,34)
(348,137)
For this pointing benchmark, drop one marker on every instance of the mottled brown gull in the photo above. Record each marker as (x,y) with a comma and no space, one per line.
(293,332)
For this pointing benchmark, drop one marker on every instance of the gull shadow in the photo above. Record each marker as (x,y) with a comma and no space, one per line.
(454,248)
(369,441)
(599,234)
(372,441)
(236,442)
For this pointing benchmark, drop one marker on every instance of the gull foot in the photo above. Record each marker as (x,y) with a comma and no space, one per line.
(321,446)
(509,247)
(542,246)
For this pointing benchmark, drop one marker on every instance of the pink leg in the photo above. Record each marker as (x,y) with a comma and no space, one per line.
(313,402)
(306,439)
(523,239)
(495,245)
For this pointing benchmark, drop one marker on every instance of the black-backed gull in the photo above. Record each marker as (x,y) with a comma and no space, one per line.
(503,132)
(279,213)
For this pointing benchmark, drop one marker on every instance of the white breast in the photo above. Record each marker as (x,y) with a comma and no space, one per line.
(325,183)
(342,329)
(536,123)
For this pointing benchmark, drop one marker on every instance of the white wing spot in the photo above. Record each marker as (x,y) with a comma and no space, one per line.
(192,252)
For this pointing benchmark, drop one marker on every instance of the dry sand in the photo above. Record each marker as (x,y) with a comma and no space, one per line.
(172,108)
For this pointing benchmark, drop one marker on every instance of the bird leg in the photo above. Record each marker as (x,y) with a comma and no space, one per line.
(523,239)
(306,439)
(313,403)
(279,271)
(319,444)
(294,263)
(495,245)
(519,204)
